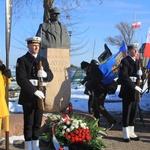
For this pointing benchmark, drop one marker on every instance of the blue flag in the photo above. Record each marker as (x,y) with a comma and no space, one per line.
(110,68)
(148,65)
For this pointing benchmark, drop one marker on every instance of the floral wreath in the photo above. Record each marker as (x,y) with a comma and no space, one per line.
(73,132)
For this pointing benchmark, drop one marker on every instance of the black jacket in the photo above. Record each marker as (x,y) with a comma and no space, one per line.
(128,68)
(26,69)
(87,77)
(95,83)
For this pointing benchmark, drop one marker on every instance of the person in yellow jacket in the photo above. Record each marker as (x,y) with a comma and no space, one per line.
(4,72)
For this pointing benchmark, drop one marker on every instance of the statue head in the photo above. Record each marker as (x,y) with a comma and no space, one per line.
(54,13)
(54,10)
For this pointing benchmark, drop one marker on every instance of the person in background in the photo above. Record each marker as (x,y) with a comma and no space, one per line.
(53,33)
(148,81)
(95,84)
(127,79)
(86,67)
(91,107)
(27,75)
(4,72)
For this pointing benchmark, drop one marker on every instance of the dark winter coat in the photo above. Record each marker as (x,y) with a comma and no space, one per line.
(87,77)
(26,69)
(128,68)
(95,83)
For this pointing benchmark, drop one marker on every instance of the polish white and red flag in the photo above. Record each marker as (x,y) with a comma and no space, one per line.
(147,45)
(136,25)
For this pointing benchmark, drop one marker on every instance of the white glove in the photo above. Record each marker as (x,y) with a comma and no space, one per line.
(139,72)
(138,89)
(39,94)
(41,74)
(89,92)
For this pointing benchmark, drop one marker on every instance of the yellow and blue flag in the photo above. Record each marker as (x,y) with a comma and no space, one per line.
(110,69)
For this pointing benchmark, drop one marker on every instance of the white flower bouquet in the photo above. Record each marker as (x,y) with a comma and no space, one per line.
(75,133)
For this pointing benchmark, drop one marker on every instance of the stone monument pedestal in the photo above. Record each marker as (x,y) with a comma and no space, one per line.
(58,91)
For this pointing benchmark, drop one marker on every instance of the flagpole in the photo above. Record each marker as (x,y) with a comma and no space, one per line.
(134,28)
(93,50)
(8,8)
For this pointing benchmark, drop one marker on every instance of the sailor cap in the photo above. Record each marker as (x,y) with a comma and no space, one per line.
(132,46)
(34,39)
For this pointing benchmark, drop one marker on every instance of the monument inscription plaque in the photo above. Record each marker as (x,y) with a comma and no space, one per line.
(58,90)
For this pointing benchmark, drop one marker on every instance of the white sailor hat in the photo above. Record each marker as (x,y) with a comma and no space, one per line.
(34,39)
(132,46)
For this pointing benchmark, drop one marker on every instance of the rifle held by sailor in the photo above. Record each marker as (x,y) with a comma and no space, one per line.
(40,87)
(139,82)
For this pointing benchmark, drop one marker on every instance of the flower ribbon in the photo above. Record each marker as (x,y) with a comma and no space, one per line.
(57,146)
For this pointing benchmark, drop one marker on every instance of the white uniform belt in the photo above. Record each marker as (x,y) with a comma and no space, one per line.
(133,79)
(35,82)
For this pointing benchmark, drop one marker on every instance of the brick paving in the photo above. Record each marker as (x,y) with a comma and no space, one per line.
(113,140)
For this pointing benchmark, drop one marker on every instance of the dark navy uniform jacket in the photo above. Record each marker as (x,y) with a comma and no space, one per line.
(26,69)
(128,68)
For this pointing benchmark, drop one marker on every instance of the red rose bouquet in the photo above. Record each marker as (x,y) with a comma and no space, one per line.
(75,133)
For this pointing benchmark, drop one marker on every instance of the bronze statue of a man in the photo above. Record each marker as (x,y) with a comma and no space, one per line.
(53,33)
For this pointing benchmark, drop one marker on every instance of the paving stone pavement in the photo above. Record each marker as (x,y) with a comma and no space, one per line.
(113,140)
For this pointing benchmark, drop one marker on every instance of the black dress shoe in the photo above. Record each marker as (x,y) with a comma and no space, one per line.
(126,140)
(135,138)
(111,125)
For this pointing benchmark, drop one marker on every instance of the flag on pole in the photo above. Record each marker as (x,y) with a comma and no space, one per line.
(147,45)
(136,25)
(105,55)
(110,68)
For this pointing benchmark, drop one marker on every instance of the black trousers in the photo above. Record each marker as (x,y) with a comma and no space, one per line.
(32,121)
(129,111)
(99,105)
(92,107)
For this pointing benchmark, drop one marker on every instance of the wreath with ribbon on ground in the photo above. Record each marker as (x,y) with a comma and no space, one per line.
(65,132)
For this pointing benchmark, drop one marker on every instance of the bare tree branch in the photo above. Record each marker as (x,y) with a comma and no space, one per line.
(67,7)
(126,34)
